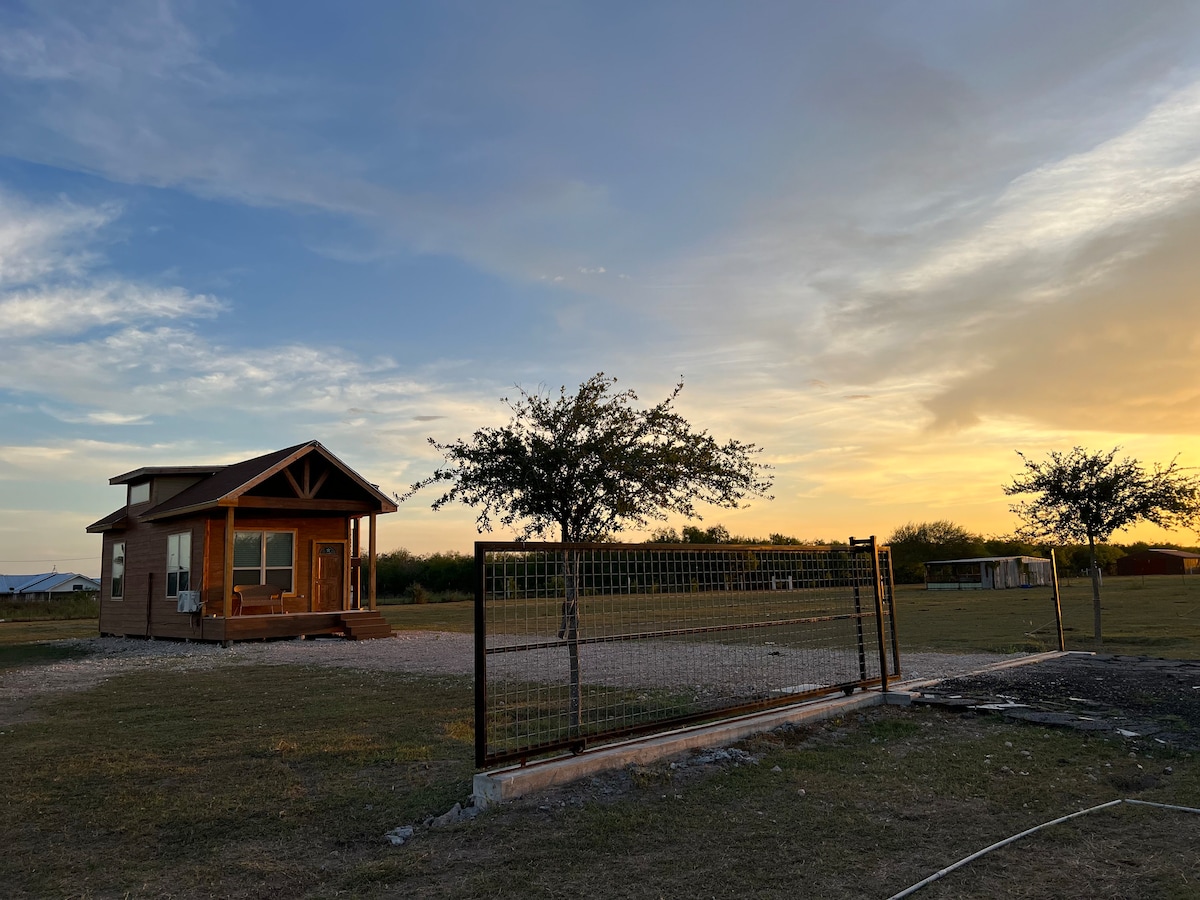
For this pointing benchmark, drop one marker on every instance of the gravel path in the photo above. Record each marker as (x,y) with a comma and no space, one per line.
(419,652)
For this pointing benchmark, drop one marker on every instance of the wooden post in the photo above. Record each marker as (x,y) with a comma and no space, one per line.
(227,581)
(1062,641)
(356,569)
(371,553)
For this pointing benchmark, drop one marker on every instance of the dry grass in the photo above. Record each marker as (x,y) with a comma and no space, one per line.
(249,782)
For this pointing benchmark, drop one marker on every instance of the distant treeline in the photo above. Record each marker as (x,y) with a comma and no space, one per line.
(450,575)
(915,544)
(422,578)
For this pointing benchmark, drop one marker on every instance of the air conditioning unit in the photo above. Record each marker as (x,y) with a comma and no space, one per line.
(189,602)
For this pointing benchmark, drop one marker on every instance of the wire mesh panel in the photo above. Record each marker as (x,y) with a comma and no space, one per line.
(577,643)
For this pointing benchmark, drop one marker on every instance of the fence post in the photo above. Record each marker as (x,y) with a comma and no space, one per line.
(883,665)
(480,657)
(890,585)
(1062,641)
(569,630)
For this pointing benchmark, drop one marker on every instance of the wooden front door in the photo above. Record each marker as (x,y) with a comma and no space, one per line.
(329,580)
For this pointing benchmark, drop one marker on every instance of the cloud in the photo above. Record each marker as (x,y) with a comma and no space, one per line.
(37,242)
(1141,174)
(70,310)
(48,279)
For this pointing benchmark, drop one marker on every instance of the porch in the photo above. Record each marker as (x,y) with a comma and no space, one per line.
(354,624)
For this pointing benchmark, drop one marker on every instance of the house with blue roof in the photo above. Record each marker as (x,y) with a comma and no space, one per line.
(44,586)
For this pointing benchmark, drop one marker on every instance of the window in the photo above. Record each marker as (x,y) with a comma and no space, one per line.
(263,557)
(179,563)
(139,493)
(118,570)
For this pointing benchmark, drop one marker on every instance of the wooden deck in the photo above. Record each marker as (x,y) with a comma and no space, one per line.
(355,625)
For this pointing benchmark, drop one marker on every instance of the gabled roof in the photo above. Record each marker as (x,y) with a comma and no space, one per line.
(10,584)
(46,581)
(224,486)
(229,480)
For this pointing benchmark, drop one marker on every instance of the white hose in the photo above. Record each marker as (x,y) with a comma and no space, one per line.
(1016,837)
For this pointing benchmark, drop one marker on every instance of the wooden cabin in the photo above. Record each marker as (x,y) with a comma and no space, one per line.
(268,547)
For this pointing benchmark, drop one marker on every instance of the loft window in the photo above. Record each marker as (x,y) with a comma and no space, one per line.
(179,563)
(139,493)
(264,557)
(118,570)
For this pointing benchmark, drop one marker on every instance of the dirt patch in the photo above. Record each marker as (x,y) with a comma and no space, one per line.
(1156,700)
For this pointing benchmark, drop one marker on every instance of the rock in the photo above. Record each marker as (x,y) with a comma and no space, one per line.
(398,836)
(455,815)
(447,818)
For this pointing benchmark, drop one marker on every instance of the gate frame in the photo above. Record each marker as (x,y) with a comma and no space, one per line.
(883,590)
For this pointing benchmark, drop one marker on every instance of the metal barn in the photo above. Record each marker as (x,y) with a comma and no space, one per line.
(987,573)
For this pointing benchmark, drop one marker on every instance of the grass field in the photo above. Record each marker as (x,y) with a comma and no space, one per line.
(281,781)
(253,782)
(1153,616)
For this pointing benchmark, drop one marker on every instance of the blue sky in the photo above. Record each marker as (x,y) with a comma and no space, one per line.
(889,242)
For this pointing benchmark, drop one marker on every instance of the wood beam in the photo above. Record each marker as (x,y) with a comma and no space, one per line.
(227,586)
(294,483)
(371,554)
(346,506)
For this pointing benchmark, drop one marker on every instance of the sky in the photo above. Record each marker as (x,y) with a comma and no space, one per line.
(891,243)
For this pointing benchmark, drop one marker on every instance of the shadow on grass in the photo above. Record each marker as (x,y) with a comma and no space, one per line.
(16,655)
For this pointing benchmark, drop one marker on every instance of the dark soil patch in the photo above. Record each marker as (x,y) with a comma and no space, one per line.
(1134,696)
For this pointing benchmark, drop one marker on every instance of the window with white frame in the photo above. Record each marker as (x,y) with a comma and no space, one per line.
(118,570)
(264,557)
(179,563)
(139,493)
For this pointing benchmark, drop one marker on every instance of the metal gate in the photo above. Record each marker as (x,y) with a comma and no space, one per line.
(577,644)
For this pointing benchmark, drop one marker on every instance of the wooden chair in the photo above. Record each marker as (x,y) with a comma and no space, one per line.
(257,595)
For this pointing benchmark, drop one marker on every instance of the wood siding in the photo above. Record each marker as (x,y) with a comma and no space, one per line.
(307,530)
(145,608)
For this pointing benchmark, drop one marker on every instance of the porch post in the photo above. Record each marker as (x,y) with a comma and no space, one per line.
(356,554)
(227,582)
(371,554)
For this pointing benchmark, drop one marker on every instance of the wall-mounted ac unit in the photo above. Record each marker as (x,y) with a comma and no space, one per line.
(189,602)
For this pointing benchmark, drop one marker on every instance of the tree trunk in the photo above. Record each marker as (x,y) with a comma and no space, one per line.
(569,630)
(1095,592)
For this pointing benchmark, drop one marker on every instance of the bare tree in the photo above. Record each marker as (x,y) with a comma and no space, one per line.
(1087,495)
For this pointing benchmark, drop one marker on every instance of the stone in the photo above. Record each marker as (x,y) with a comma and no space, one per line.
(398,836)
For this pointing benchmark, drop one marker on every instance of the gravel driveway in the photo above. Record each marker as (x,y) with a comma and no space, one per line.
(418,652)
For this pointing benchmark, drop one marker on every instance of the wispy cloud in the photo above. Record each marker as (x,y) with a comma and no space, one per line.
(73,310)
(47,241)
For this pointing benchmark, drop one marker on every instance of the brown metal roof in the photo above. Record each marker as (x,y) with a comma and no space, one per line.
(152,471)
(230,482)
(110,522)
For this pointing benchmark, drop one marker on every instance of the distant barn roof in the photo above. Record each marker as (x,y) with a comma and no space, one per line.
(1182,554)
(941,562)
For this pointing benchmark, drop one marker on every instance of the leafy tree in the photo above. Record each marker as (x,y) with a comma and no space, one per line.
(916,543)
(1086,496)
(591,464)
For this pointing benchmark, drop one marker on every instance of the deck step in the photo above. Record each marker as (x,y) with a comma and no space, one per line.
(364,625)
